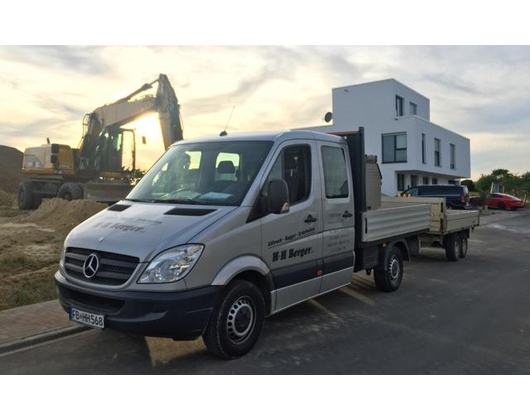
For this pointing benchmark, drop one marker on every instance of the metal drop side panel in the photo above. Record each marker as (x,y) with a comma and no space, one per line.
(443,220)
(396,221)
(461,219)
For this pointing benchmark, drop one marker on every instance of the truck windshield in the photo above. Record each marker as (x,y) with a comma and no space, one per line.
(211,173)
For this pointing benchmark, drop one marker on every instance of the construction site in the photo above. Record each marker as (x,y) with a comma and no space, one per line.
(48,190)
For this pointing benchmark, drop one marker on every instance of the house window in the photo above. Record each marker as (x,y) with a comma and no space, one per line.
(401,182)
(435,181)
(453,156)
(425,180)
(413,180)
(394,148)
(423,156)
(413,109)
(399,106)
(437,156)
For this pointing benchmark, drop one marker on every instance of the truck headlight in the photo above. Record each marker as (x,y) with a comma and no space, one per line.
(63,256)
(172,265)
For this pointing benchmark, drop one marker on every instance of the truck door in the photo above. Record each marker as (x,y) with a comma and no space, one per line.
(338,220)
(292,242)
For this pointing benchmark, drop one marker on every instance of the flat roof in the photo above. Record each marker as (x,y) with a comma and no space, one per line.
(382,81)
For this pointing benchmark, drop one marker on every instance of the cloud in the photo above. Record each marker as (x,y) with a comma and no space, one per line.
(77,59)
(480,92)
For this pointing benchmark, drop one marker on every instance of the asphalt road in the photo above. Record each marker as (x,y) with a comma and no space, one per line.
(468,317)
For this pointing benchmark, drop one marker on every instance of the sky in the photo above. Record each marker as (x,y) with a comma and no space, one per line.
(482,93)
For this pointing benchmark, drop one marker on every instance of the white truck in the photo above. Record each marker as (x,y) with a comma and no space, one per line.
(225,231)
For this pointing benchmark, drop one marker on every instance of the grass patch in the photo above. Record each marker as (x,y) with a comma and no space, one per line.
(15,263)
(28,288)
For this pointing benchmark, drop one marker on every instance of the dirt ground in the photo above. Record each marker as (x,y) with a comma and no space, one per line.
(10,168)
(30,247)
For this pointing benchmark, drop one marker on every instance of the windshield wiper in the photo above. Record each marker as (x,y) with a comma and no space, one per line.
(169,200)
(138,200)
(179,201)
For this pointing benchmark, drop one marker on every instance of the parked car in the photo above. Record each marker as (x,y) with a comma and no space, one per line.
(504,202)
(456,196)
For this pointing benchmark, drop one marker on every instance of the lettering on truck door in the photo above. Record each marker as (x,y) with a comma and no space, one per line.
(292,242)
(338,220)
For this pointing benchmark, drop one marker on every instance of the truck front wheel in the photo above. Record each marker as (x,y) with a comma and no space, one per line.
(388,279)
(237,320)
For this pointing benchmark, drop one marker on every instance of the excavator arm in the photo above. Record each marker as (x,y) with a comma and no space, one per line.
(115,115)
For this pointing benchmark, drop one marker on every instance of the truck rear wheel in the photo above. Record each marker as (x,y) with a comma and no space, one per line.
(27,199)
(70,191)
(389,279)
(237,320)
(463,247)
(452,246)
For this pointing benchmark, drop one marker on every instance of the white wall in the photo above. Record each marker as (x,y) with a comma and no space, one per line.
(372,106)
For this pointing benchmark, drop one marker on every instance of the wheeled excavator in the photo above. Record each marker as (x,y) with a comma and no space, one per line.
(95,169)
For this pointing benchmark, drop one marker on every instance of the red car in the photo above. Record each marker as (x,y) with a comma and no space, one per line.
(504,201)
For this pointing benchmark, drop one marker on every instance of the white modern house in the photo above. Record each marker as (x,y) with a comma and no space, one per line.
(410,149)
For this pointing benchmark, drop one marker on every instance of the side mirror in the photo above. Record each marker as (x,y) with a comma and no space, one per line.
(144,140)
(53,159)
(277,196)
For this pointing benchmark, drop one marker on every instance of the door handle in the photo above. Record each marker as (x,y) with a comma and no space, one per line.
(347,214)
(310,219)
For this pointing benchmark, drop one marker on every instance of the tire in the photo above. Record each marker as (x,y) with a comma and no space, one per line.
(27,199)
(452,247)
(70,191)
(389,279)
(236,321)
(501,206)
(463,247)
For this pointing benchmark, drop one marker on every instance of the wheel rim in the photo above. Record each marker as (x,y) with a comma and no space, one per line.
(457,247)
(393,269)
(21,196)
(240,320)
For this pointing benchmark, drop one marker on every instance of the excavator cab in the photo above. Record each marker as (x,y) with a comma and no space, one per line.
(114,153)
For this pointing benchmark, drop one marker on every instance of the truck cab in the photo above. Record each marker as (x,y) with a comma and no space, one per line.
(223,232)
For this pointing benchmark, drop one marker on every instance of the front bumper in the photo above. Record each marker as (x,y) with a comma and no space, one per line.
(177,315)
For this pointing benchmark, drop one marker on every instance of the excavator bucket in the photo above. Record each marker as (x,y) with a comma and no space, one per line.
(106,192)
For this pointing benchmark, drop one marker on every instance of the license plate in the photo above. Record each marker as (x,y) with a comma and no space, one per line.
(86,318)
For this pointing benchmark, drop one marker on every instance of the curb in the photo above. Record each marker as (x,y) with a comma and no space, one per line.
(41,338)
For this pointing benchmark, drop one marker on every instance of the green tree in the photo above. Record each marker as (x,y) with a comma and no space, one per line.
(512,183)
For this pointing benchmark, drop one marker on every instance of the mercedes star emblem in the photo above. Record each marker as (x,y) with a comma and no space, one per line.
(91,266)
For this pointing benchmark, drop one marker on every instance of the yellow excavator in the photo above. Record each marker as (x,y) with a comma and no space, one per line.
(95,169)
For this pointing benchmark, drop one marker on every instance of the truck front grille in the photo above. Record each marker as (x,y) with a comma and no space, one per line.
(114,269)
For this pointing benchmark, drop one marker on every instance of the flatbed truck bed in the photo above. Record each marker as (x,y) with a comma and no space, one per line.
(448,228)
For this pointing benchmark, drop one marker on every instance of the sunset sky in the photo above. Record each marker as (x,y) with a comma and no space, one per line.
(481,93)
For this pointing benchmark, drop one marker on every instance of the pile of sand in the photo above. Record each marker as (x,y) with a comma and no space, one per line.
(61,214)
(7,199)
(10,168)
